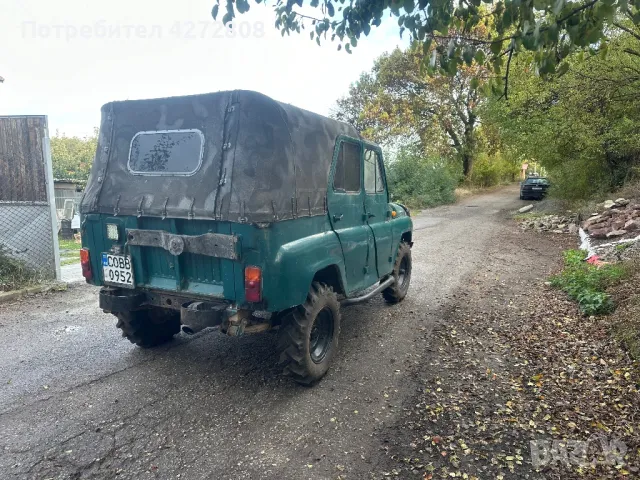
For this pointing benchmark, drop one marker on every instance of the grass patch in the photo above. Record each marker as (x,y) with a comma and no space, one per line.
(15,274)
(587,284)
(521,217)
(69,252)
(68,244)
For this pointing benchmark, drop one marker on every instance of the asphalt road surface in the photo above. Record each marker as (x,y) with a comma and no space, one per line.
(79,401)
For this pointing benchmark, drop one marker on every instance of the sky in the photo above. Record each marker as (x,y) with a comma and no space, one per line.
(66,59)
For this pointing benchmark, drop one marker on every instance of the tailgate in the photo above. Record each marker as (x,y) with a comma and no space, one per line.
(189,256)
(184,255)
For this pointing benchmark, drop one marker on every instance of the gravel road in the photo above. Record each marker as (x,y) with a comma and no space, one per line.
(78,401)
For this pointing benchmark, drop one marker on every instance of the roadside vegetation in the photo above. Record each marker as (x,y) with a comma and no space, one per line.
(587,284)
(581,126)
(430,126)
(578,124)
(15,273)
(420,181)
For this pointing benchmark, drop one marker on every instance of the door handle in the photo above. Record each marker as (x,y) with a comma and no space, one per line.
(337,218)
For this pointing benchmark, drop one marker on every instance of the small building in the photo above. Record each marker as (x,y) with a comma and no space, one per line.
(67,189)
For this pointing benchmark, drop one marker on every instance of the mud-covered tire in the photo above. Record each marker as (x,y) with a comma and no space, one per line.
(309,336)
(401,274)
(150,327)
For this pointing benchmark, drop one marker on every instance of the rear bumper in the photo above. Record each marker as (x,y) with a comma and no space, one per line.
(533,194)
(113,300)
(194,315)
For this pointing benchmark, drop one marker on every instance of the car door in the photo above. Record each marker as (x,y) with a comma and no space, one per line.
(376,204)
(345,202)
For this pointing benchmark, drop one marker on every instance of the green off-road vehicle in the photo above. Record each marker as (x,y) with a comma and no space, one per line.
(232,210)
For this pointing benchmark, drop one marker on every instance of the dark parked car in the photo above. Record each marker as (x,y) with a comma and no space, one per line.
(534,188)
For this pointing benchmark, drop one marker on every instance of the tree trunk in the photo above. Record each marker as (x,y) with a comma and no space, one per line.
(469,148)
(467,165)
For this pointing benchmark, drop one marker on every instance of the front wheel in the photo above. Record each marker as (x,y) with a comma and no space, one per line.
(309,335)
(401,275)
(150,327)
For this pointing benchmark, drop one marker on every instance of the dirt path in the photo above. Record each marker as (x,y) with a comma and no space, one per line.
(77,401)
(517,383)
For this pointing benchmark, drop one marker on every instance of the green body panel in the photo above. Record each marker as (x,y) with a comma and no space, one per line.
(290,253)
(357,238)
(378,213)
(401,226)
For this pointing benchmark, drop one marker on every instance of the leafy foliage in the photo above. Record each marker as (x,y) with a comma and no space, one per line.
(72,157)
(550,29)
(399,98)
(420,181)
(438,114)
(586,283)
(582,126)
(493,170)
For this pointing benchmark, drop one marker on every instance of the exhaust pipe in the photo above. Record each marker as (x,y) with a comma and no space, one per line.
(196,316)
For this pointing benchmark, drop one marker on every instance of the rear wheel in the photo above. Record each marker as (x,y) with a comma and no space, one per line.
(149,327)
(309,335)
(401,275)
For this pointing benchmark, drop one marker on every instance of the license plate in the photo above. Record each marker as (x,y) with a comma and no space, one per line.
(536,188)
(117,270)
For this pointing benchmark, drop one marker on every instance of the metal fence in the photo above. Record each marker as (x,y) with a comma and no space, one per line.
(28,230)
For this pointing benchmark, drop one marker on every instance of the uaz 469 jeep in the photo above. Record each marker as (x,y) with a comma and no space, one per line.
(235,211)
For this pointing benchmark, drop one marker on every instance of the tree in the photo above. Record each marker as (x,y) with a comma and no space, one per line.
(552,29)
(72,157)
(398,98)
(420,181)
(582,126)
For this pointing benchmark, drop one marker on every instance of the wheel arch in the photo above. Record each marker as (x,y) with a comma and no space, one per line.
(298,264)
(332,277)
(407,237)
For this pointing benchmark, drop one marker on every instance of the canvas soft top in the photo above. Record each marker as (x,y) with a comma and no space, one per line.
(262,160)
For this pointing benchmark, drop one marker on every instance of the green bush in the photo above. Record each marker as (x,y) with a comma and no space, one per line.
(419,181)
(586,283)
(493,170)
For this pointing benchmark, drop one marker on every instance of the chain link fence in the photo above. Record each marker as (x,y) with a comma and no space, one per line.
(28,240)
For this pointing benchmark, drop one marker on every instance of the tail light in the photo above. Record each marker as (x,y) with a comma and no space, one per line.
(86,264)
(253,284)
